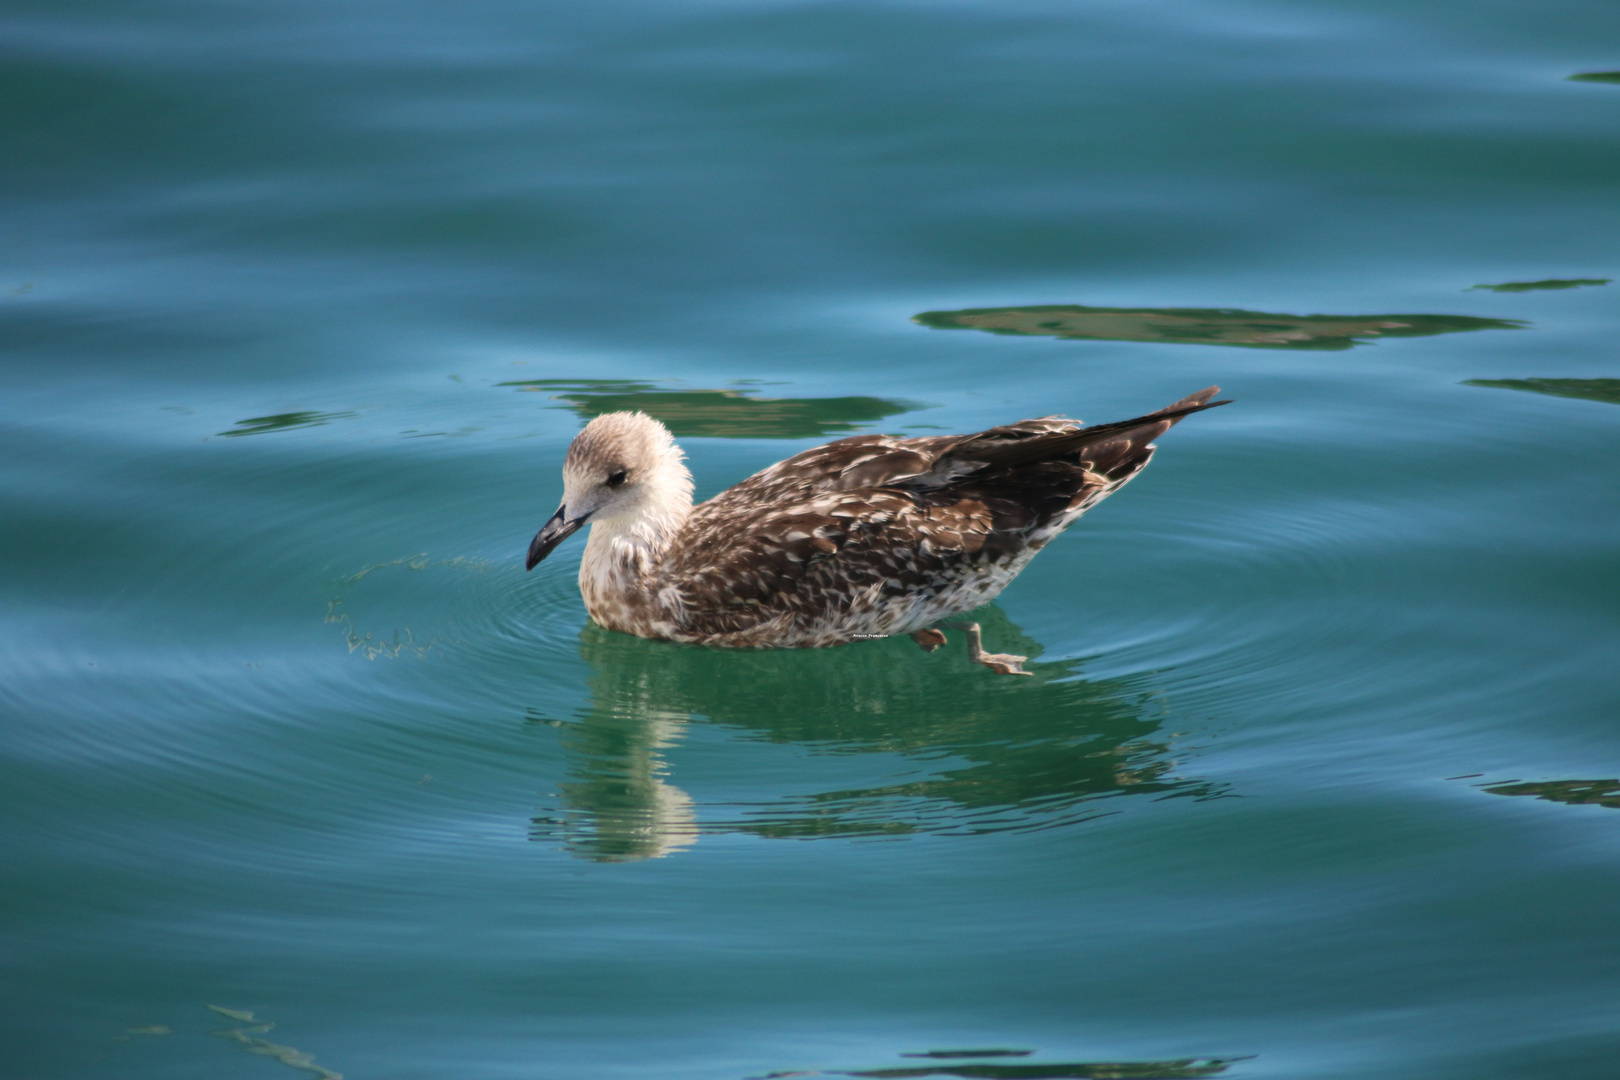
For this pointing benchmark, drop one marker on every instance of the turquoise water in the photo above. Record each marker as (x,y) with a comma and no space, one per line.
(302,303)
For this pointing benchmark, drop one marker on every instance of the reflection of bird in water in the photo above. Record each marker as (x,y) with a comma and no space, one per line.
(885,744)
(617,806)
(865,537)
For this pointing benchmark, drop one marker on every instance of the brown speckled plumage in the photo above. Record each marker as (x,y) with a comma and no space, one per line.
(865,537)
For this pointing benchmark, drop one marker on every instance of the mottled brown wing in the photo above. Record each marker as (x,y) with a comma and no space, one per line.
(864,462)
(855,464)
(823,533)
(745,563)
(873,516)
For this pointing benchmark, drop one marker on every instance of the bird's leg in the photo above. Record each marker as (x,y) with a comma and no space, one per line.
(1001,663)
(928,640)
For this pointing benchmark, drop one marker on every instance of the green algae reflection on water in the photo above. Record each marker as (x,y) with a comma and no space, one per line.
(1607,390)
(1545,285)
(724,414)
(1182,1069)
(288,421)
(1573,792)
(1204,326)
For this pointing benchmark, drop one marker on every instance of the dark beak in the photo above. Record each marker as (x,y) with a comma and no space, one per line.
(554,532)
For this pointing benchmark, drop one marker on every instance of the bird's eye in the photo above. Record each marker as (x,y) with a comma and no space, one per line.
(616,478)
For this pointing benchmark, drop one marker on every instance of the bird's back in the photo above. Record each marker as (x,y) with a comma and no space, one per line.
(877,535)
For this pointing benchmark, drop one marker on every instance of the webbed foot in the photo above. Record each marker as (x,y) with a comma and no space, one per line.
(1001,663)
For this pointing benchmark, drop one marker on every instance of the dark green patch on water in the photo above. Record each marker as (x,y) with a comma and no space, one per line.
(1539,286)
(1586,389)
(260,425)
(969,1053)
(1574,792)
(722,414)
(1205,326)
(1183,1069)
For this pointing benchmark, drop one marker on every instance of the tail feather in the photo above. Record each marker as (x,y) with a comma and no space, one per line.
(1114,451)
(1132,435)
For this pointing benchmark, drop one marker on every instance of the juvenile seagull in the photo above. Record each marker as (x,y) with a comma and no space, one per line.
(865,537)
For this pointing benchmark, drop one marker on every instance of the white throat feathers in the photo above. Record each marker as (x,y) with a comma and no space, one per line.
(626,478)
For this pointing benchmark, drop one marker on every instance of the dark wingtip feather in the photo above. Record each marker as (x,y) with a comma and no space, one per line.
(1198,397)
(1064,444)
(1194,402)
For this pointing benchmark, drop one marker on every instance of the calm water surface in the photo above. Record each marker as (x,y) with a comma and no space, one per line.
(301,303)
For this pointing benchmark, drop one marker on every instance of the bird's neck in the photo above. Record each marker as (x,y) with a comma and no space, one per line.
(618,575)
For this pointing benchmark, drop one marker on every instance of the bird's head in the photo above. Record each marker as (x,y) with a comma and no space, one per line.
(622,472)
